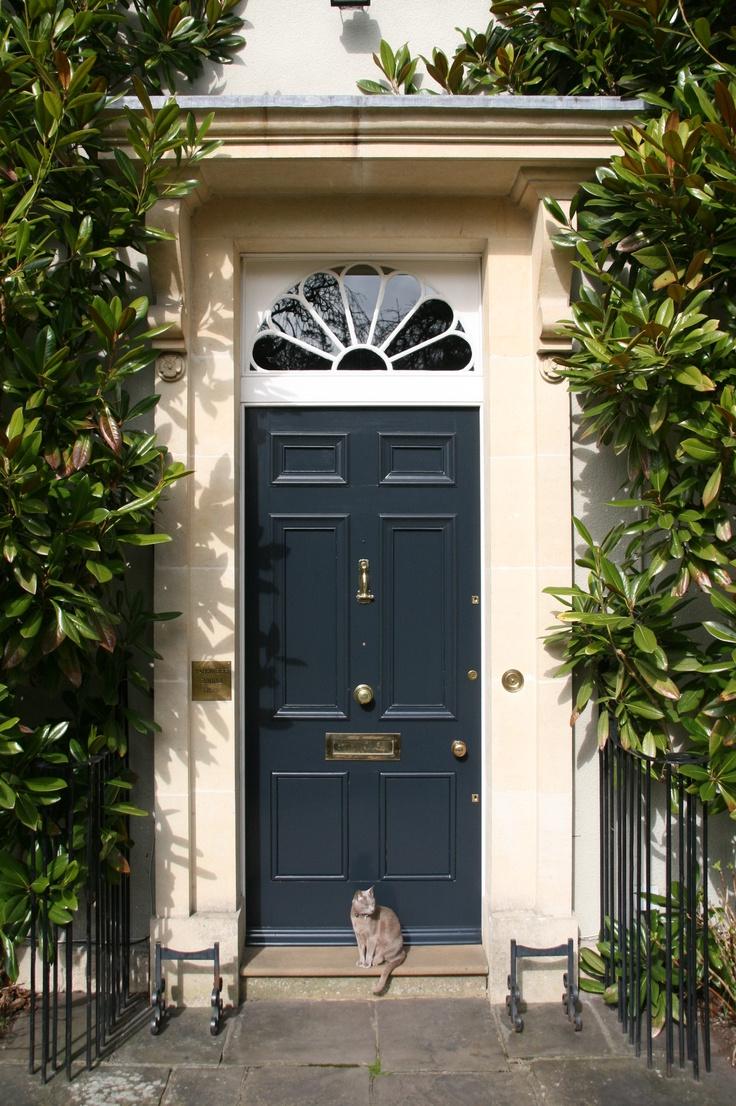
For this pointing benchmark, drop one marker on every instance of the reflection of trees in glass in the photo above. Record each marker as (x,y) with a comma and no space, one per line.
(362,360)
(430,319)
(362,286)
(281,355)
(399,297)
(291,317)
(449,354)
(322,291)
(320,311)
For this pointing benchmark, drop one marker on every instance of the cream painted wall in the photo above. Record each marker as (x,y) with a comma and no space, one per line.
(285,183)
(306,47)
(309,48)
(596,479)
(527,793)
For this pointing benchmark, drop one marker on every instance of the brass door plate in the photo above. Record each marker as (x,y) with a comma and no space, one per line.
(362,746)
(211,680)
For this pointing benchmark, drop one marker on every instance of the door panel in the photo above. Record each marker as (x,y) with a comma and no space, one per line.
(417,458)
(309,459)
(325,489)
(311,590)
(309,825)
(422,799)
(417,612)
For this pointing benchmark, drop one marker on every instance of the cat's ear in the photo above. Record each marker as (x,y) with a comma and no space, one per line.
(369,891)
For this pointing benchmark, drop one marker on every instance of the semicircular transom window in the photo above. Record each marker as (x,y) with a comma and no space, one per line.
(361,318)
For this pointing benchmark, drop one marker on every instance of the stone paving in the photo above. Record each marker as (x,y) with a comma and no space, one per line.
(406,1052)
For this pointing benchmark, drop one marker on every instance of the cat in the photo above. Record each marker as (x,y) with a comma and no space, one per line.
(378,933)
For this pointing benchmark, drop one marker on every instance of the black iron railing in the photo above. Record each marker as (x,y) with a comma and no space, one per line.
(79,972)
(654,903)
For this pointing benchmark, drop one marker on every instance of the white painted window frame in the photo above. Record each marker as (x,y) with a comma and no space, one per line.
(455,277)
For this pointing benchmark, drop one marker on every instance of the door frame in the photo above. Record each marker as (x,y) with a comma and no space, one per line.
(441,398)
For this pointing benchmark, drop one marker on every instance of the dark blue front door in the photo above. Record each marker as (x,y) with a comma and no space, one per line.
(328,491)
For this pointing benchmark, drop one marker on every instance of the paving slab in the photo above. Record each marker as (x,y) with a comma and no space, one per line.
(185,1038)
(14,1042)
(433,1052)
(548,1032)
(438,1035)
(294,1033)
(608,1018)
(306,1086)
(459,1089)
(110,1086)
(615,1081)
(190,1086)
(20,1088)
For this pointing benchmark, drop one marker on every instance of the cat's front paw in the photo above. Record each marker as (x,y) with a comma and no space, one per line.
(361,963)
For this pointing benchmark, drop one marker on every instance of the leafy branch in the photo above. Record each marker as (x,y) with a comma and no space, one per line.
(81,472)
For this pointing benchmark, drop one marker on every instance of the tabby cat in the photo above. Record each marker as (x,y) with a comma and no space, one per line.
(378,933)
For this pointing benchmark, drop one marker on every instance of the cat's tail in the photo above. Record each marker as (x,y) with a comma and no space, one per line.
(388,967)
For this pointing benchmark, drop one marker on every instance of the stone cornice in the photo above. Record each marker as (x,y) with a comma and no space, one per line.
(513,148)
(497,105)
(471,121)
(399,145)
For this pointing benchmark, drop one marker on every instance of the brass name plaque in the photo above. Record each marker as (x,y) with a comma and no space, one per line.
(362,746)
(211,680)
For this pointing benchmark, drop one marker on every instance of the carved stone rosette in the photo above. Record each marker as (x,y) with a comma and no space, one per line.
(170,367)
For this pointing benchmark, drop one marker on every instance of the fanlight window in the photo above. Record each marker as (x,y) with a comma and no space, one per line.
(361,317)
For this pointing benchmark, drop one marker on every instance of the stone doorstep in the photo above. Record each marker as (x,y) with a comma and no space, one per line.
(462,960)
(320,973)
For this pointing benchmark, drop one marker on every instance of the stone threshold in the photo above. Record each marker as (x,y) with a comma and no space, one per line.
(275,962)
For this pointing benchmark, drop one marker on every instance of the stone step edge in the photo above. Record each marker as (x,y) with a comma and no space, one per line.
(294,963)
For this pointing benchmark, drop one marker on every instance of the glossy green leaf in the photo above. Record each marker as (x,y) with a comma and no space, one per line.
(144,539)
(721,632)
(99,570)
(658,681)
(27,580)
(44,784)
(644,638)
(59,915)
(591,961)
(7,795)
(127,808)
(713,486)
(553,207)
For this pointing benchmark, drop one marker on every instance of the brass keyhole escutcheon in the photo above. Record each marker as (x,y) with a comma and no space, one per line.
(459,749)
(363,694)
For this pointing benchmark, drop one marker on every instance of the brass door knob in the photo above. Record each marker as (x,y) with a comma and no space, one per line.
(363,694)
(459,749)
